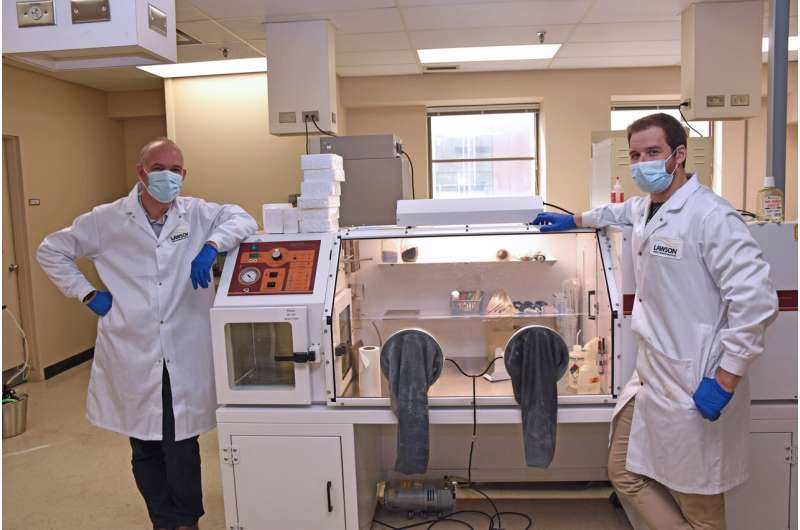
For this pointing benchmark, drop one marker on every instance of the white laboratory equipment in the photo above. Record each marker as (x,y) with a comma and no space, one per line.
(304,447)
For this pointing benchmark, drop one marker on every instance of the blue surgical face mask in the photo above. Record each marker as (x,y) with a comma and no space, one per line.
(651,176)
(164,185)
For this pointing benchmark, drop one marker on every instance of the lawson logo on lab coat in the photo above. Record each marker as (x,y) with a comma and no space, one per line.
(666,248)
(179,234)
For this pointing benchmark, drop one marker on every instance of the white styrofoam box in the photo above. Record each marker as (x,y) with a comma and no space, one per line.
(320,189)
(323,175)
(488,210)
(306,203)
(131,35)
(273,217)
(291,221)
(321,161)
(319,214)
(315,226)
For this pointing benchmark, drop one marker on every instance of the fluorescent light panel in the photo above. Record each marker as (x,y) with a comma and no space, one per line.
(488,53)
(792,44)
(226,66)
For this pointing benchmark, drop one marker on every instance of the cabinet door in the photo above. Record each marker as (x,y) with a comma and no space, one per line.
(289,482)
(764,500)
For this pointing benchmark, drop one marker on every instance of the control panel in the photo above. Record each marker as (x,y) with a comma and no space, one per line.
(285,267)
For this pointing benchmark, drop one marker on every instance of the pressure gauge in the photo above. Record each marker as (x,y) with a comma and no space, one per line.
(249,276)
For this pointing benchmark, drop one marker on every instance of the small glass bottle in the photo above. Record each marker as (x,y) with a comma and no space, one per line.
(770,202)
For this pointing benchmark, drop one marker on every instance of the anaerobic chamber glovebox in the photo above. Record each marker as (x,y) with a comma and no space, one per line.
(472,288)
(267,320)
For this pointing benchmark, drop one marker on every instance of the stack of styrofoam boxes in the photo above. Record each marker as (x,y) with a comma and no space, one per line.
(280,218)
(320,191)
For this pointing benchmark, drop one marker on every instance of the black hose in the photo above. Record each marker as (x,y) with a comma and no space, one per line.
(686,104)
(558,208)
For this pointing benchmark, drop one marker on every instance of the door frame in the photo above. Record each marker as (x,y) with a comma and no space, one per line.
(16,196)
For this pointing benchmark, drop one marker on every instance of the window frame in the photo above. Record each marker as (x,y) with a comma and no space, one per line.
(432,112)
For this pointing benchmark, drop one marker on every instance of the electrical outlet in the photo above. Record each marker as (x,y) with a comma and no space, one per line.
(715,101)
(310,115)
(740,100)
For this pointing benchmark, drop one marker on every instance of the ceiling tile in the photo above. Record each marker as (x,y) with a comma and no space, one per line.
(488,36)
(376,58)
(211,52)
(533,13)
(615,62)
(367,21)
(634,11)
(631,31)
(620,49)
(264,8)
(247,28)
(418,3)
(261,44)
(361,71)
(364,21)
(354,42)
(491,66)
(207,32)
(185,12)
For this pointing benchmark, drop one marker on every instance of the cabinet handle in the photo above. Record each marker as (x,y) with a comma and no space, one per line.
(591,303)
(330,506)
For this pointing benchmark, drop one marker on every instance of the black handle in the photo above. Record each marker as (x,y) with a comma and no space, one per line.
(590,305)
(330,506)
(297,357)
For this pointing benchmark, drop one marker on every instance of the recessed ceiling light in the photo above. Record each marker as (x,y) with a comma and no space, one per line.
(227,66)
(488,53)
(792,44)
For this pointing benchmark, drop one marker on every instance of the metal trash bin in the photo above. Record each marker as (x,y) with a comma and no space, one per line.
(15,417)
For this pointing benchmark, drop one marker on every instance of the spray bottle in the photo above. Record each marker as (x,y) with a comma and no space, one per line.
(617,195)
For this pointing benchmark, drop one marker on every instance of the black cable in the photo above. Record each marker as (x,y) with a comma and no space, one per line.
(747,214)
(494,507)
(306,125)
(558,208)
(523,515)
(448,520)
(410,163)
(320,130)
(686,104)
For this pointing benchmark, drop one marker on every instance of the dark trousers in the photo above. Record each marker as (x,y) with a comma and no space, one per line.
(167,472)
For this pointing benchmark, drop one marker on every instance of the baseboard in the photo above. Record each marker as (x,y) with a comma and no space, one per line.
(70,362)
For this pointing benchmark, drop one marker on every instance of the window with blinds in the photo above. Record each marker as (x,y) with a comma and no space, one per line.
(483,151)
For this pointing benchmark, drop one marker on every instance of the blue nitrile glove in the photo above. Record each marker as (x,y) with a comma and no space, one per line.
(710,398)
(201,266)
(101,302)
(554,222)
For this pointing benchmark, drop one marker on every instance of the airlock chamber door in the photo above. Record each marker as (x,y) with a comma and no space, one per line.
(262,356)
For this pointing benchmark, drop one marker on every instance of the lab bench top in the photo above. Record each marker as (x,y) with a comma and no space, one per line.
(323,414)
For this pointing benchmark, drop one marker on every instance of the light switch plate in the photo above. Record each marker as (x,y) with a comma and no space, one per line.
(35,14)
(84,11)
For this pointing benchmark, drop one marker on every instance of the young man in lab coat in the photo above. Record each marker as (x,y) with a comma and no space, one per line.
(152,376)
(703,301)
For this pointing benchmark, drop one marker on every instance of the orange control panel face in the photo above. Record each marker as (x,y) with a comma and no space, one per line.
(286,267)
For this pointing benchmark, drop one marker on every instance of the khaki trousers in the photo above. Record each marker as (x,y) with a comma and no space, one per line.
(658,506)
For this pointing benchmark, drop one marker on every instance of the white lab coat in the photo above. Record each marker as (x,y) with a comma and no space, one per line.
(156,316)
(703,301)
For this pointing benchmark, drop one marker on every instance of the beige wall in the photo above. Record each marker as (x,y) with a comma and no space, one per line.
(137,132)
(410,124)
(221,124)
(72,159)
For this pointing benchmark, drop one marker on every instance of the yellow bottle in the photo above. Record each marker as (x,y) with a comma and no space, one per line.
(770,202)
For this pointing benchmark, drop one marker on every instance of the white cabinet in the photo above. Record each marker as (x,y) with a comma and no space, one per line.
(287,482)
(764,501)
